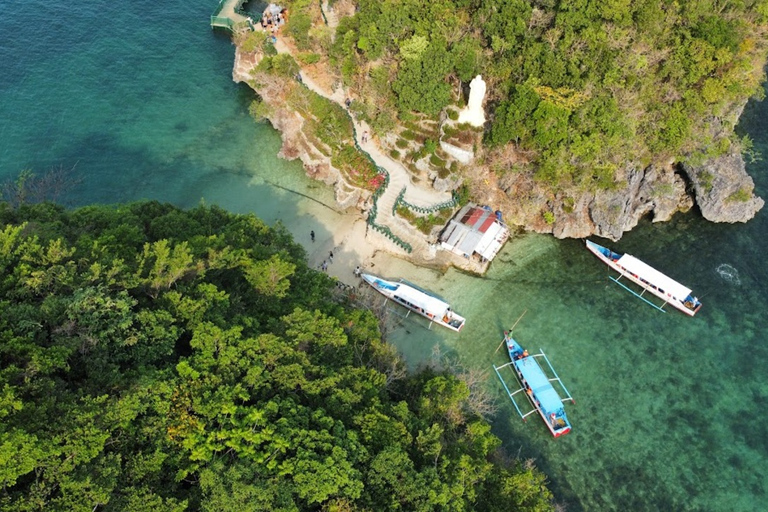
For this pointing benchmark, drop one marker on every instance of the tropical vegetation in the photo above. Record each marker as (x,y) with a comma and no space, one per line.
(157,359)
(579,88)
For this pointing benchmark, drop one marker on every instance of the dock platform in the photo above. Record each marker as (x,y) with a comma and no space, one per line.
(229,15)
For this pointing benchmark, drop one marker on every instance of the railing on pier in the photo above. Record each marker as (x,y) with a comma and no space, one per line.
(451,203)
(227,22)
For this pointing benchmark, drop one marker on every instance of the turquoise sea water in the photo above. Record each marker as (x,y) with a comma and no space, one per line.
(138,98)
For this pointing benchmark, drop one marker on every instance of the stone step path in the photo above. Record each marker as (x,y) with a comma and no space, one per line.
(399,176)
(331,18)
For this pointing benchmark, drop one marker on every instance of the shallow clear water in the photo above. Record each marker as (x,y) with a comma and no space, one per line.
(138,97)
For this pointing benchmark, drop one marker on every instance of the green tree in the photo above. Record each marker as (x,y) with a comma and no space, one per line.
(199,364)
(420,84)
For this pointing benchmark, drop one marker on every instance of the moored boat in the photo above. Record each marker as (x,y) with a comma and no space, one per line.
(649,279)
(537,386)
(425,304)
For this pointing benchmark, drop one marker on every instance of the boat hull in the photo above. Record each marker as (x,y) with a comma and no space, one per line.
(668,299)
(390,289)
(538,389)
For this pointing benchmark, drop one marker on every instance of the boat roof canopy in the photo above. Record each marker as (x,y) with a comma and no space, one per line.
(654,277)
(420,299)
(536,378)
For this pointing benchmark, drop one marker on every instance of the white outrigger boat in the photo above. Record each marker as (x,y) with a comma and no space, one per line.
(649,279)
(418,301)
(537,386)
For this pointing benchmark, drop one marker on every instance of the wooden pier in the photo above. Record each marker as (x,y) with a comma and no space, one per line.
(229,15)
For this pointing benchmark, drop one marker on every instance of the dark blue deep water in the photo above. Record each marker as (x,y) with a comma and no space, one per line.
(137,98)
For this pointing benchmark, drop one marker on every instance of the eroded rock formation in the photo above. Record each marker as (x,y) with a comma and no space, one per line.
(721,187)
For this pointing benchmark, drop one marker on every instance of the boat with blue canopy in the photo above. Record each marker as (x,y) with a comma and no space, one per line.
(649,279)
(417,300)
(537,385)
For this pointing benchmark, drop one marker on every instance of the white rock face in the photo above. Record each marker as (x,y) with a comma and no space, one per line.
(459,154)
(473,113)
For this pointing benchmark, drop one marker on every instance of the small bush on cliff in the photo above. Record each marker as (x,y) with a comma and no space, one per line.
(281,64)
(259,110)
(706,179)
(300,22)
(324,118)
(436,161)
(740,196)
(309,58)
(251,41)
(462,195)
(357,168)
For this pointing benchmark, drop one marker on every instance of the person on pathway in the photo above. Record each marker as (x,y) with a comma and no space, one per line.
(365,137)
(324,266)
(357,271)
(312,235)
(330,256)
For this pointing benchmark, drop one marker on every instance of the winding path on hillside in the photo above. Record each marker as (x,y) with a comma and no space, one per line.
(399,177)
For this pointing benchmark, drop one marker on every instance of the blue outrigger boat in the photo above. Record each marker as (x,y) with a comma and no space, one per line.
(537,386)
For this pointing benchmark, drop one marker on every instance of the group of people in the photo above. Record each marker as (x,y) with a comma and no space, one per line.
(324,265)
(271,21)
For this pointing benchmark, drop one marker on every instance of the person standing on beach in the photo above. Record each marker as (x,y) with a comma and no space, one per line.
(312,235)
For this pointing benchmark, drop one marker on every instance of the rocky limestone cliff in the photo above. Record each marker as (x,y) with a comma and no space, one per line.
(724,191)
(290,124)
(721,188)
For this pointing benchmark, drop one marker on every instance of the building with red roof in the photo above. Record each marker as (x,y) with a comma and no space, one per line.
(475,233)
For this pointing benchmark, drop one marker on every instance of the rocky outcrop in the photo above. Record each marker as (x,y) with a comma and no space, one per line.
(452,182)
(655,191)
(290,125)
(723,189)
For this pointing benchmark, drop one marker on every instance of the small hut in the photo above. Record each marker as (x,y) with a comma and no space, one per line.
(476,232)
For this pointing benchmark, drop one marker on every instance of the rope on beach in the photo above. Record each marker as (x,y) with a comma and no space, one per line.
(302,195)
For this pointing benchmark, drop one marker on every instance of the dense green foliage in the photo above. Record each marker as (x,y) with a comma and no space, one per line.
(582,87)
(154,359)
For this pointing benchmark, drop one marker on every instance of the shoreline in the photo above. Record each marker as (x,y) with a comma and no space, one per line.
(362,239)
(606,214)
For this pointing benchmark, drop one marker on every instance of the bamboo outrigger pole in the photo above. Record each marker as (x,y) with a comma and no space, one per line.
(510,331)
